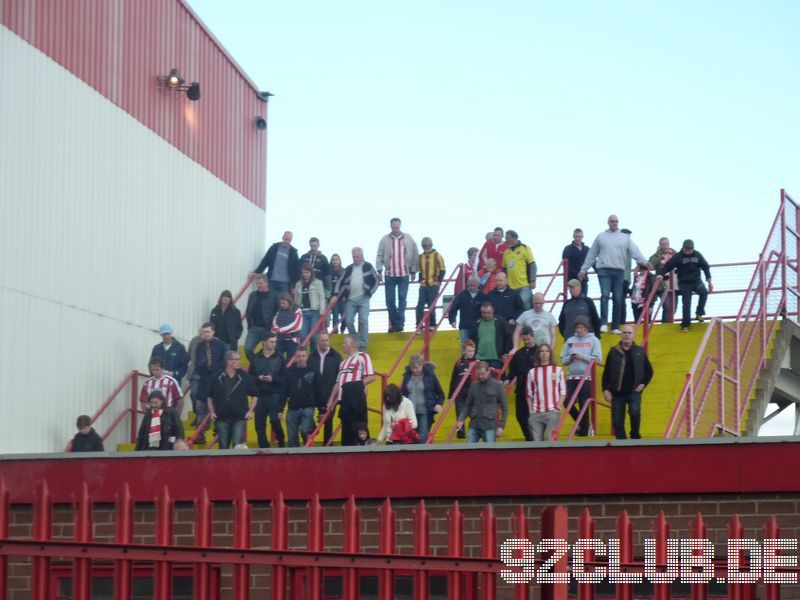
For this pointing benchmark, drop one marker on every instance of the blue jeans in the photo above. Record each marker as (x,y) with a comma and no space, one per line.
(299,420)
(463,334)
(427,294)
(526,294)
(686,290)
(278,286)
(310,318)
(396,286)
(634,404)
(612,282)
(230,433)
(361,305)
(255,335)
(423,426)
(476,433)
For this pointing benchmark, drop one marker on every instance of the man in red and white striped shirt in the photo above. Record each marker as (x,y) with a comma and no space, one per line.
(546,389)
(173,395)
(355,374)
(398,252)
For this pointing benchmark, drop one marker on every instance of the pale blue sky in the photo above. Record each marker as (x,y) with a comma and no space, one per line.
(681,117)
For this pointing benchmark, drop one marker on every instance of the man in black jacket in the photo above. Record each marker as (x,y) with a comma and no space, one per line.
(268,370)
(467,307)
(575,254)
(301,392)
(491,336)
(282,264)
(688,263)
(507,302)
(161,426)
(262,304)
(87,439)
(209,358)
(627,372)
(578,305)
(228,401)
(524,360)
(325,361)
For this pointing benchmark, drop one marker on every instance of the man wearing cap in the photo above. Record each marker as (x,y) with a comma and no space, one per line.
(688,263)
(172,352)
(578,305)
(610,255)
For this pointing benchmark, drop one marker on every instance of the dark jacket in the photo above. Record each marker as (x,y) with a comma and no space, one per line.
(574,308)
(171,427)
(482,401)
(523,361)
(227,325)
(301,388)
(688,267)
(273,365)
(232,405)
(434,394)
(467,307)
(507,304)
(91,442)
(268,262)
(614,371)
(335,279)
(202,366)
(503,338)
(461,367)
(370,280)
(330,371)
(575,259)
(176,359)
(320,265)
(266,302)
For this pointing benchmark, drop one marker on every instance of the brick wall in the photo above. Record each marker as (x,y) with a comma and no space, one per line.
(717,510)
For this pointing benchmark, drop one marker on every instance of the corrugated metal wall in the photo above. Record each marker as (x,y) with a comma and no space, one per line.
(120,47)
(106,232)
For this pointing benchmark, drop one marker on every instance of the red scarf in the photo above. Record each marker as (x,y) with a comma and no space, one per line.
(155,429)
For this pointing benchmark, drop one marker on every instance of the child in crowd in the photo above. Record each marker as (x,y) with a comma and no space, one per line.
(87,439)
(487,275)
(287,324)
(459,369)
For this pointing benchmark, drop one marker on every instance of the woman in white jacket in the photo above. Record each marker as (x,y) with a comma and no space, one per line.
(396,408)
(309,295)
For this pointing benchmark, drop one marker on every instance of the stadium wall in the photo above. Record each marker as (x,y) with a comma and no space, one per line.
(110,227)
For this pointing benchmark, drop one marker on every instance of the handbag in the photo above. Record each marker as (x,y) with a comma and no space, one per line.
(403,432)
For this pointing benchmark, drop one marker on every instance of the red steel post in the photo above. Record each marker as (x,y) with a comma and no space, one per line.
(555,525)
(316,543)
(5,515)
(280,541)
(489,549)
(386,518)
(661,535)
(134,406)
(455,548)
(772,591)
(739,591)
(586,532)
(124,535)
(422,547)
(163,570)
(351,544)
(42,531)
(82,567)
(698,531)
(202,538)
(625,537)
(241,541)
(521,532)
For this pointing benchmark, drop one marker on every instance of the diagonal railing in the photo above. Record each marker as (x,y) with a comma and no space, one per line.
(718,387)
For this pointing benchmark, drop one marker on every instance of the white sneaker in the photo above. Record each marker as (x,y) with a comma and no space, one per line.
(616,332)
(603,328)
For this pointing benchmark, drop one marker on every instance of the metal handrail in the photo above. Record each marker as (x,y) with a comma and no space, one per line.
(449,404)
(323,317)
(589,372)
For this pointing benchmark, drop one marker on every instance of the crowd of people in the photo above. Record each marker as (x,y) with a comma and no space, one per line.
(504,330)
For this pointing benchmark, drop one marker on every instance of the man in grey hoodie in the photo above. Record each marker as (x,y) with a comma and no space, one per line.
(609,255)
(578,352)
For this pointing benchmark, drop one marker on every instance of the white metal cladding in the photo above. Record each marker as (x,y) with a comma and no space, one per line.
(107,231)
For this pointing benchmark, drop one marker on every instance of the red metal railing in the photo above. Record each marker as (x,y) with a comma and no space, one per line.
(715,394)
(474,576)
(588,378)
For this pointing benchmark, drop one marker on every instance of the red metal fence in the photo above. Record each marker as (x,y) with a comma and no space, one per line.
(301,573)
